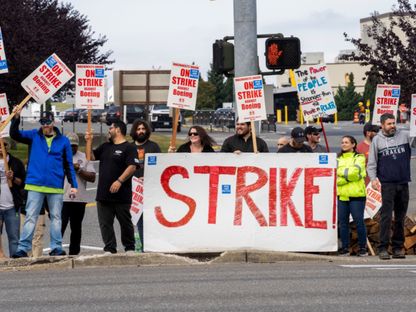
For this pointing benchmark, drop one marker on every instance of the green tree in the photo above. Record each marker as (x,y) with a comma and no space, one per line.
(223,88)
(347,99)
(206,95)
(370,88)
(392,58)
(34,29)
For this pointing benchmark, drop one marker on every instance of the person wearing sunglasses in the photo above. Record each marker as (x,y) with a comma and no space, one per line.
(313,137)
(198,141)
(50,160)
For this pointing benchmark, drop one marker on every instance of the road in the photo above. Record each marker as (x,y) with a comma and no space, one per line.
(91,239)
(290,286)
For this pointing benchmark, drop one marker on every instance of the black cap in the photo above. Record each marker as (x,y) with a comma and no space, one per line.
(46,115)
(312,129)
(298,134)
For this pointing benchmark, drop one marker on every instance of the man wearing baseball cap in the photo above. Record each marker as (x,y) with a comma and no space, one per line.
(50,159)
(313,137)
(296,143)
(73,209)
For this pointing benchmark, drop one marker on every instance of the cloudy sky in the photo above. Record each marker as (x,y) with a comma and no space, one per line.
(150,34)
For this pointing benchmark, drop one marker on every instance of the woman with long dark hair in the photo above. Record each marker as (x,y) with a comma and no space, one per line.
(198,141)
(351,193)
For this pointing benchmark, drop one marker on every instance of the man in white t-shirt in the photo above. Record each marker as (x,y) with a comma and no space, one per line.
(73,209)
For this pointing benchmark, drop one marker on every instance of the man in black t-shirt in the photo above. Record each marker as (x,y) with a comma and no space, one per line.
(296,144)
(140,133)
(117,165)
(242,141)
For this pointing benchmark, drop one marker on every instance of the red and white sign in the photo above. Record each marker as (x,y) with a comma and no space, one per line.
(387,101)
(90,86)
(4,113)
(373,201)
(249,95)
(183,87)
(200,202)
(136,208)
(413,117)
(315,92)
(48,78)
(3,62)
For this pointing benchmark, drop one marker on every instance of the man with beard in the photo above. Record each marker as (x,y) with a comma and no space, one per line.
(242,141)
(389,171)
(296,143)
(117,164)
(140,133)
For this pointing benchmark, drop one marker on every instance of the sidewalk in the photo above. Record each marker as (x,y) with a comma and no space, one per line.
(158,259)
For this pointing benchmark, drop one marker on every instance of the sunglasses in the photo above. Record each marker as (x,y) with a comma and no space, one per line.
(193,134)
(45,122)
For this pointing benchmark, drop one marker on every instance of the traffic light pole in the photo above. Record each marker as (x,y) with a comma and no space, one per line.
(245,39)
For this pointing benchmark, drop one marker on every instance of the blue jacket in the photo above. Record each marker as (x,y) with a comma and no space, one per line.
(46,168)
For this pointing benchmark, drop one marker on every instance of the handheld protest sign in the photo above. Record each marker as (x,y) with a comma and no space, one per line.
(253,136)
(249,94)
(386,101)
(315,92)
(4,113)
(3,62)
(183,86)
(413,117)
(48,78)
(17,108)
(136,208)
(6,165)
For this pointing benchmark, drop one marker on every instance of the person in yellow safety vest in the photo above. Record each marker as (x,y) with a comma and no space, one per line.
(351,191)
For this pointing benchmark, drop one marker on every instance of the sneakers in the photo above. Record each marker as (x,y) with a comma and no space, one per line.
(343,252)
(383,255)
(57,252)
(20,254)
(130,253)
(398,254)
(362,252)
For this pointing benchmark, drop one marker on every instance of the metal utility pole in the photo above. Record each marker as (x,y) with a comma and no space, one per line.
(245,38)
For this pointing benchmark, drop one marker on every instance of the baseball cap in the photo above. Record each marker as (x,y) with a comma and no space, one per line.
(73,138)
(312,129)
(298,134)
(46,116)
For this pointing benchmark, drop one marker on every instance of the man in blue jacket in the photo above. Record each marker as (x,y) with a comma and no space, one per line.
(50,159)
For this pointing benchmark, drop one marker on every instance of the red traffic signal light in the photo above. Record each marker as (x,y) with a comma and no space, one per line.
(282,53)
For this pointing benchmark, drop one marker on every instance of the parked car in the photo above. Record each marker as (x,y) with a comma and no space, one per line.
(160,117)
(71,114)
(224,117)
(326,118)
(113,114)
(95,115)
(134,112)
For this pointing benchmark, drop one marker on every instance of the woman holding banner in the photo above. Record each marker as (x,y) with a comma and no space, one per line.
(351,192)
(199,142)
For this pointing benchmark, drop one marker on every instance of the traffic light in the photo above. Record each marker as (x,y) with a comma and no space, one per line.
(282,53)
(223,56)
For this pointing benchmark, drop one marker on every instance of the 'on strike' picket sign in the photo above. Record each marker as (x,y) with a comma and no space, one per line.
(386,101)
(48,78)
(3,62)
(183,87)
(217,202)
(4,112)
(89,86)
(249,95)
(315,92)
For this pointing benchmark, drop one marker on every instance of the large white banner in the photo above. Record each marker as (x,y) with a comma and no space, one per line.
(89,86)
(413,117)
(314,91)
(4,113)
(3,62)
(183,87)
(249,95)
(386,101)
(217,202)
(48,78)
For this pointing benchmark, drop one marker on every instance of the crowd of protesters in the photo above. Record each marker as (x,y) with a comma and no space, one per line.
(57,174)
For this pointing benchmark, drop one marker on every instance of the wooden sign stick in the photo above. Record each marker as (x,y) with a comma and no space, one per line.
(176,113)
(253,136)
(88,144)
(18,108)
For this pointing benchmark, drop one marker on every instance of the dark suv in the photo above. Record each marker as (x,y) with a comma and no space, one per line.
(133,111)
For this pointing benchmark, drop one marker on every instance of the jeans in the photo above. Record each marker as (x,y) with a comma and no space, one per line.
(356,209)
(11,220)
(33,205)
(395,198)
(73,212)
